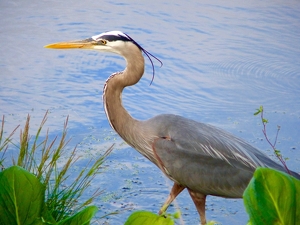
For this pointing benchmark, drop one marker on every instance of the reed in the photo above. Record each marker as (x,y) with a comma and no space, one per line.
(42,157)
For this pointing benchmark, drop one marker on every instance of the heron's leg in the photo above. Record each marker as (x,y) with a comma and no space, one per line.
(176,189)
(199,201)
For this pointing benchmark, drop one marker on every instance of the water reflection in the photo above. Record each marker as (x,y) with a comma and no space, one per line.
(221,61)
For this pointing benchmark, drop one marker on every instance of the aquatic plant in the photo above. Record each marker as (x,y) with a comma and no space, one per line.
(277,152)
(41,157)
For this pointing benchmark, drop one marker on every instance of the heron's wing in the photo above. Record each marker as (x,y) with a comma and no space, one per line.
(204,158)
(201,172)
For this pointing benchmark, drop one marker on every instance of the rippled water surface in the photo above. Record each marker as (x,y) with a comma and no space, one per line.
(221,62)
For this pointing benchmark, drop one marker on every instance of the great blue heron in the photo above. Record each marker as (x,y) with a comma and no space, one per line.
(200,157)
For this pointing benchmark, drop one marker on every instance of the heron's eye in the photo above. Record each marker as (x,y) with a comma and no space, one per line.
(103,42)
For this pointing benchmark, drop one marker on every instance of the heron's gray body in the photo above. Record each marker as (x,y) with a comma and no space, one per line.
(200,157)
(204,158)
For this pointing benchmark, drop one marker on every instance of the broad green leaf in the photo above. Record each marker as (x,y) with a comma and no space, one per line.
(81,218)
(21,197)
(148,218)
(272,197)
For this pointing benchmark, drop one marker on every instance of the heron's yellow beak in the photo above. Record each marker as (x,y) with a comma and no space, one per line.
(84,44)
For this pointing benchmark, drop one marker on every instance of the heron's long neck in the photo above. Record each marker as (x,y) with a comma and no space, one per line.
(119,118)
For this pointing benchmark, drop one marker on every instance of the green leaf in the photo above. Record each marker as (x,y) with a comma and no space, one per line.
(258,111)
(176,215)
(277,152)
(148,218)
(21,197)
(22,201)
(81,218)
(272,197)
(261,108)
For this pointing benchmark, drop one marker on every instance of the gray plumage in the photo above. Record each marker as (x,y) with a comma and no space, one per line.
(206,159)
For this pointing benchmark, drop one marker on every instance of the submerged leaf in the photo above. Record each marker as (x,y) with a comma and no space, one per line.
(148,218)
(272,197)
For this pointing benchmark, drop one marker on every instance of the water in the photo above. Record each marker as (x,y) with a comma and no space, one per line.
(221,62)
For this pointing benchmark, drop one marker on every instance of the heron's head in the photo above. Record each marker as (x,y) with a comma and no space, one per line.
(112,41)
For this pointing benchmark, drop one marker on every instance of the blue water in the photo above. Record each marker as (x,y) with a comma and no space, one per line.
(221,62)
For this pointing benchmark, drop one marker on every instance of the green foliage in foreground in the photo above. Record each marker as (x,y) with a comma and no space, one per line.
(51,163)
(22,201)
(272,197)
(148,218)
